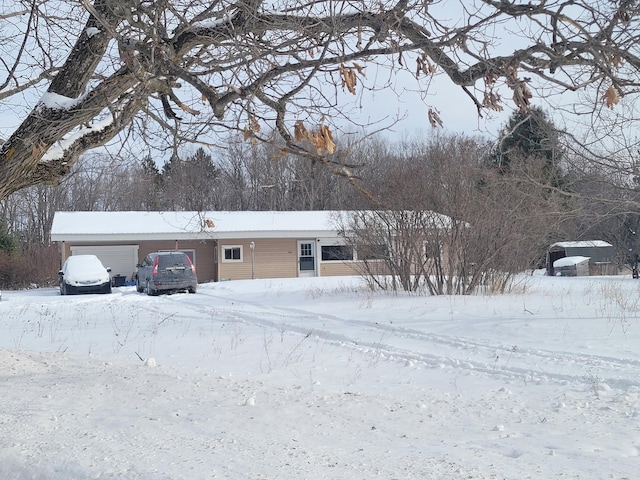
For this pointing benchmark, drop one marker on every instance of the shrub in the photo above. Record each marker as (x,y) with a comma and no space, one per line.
(30,265)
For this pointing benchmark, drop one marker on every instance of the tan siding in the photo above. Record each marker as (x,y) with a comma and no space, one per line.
(329,269)
(273,258)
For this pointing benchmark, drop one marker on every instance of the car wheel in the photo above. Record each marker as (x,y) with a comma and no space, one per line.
(139,288)
(150,291)
(192,289)
(107,288)
(63,290)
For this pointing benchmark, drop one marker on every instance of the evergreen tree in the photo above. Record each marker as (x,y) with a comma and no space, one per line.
(149,166)
(530,137)
(8,243)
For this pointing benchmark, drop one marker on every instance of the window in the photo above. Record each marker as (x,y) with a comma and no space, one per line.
(332,253)
(306,250)
(232,253)
(431,249)
(372,252)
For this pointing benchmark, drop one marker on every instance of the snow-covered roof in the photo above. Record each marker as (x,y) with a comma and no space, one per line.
(569,261)
(121,226)
(582,244)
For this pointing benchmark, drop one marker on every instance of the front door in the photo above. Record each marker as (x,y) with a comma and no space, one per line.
(306,258)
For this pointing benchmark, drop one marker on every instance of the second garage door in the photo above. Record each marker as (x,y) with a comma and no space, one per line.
(121,259)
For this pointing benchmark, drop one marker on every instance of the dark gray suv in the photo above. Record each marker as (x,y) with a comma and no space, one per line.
(166,272)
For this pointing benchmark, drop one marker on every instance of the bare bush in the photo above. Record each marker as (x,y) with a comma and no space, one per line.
(34,265)
(453,226)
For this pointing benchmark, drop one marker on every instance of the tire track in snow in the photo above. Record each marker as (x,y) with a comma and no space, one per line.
(468,354)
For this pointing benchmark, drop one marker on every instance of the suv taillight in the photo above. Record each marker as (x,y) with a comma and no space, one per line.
(155,267)
(193,267)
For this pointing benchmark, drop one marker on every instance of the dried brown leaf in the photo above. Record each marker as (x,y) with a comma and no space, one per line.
(611,96)
(491,99)
(349,79)
(251,129)
(322,139)
(316,141)
(424,65)
(434,118)
(327,136)
(359,68)
(521,92)
(300,131)
(521,96)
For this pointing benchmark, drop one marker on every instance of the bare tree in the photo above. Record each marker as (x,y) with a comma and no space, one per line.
(451,225)
(169,72)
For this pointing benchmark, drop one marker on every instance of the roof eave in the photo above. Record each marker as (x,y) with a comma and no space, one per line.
(128,237)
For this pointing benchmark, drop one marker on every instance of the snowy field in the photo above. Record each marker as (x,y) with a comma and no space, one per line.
(321,379)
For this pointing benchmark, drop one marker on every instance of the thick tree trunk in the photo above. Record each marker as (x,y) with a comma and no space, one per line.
(21,156)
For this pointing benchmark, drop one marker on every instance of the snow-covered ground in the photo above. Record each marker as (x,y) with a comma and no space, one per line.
(321,379)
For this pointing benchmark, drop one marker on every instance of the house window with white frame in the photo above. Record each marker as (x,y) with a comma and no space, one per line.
(232,253)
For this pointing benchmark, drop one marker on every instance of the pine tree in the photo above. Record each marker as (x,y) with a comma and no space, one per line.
(8,243)
(528,137)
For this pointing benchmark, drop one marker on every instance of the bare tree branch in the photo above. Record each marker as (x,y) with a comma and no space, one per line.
(214,65)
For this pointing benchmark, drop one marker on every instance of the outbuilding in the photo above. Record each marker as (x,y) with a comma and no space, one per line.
(601,255)
(222,245)
(571,266)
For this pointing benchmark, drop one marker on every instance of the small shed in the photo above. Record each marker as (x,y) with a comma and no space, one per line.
(571,267)
(601,255)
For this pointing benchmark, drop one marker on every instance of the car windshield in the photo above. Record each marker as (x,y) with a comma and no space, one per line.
(89,262)
(83,267)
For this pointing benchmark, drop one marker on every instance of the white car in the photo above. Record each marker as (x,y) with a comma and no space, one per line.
(84,274)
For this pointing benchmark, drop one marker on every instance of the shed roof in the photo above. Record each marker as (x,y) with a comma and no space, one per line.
(122,226)
(569,261)
(582,244)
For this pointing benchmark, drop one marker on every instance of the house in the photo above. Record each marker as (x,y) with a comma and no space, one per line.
(601,255)
(223,245)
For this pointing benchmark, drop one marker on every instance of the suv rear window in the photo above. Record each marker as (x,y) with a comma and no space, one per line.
(172,260)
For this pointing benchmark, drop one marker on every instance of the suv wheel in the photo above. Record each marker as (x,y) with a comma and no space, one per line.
(150,291)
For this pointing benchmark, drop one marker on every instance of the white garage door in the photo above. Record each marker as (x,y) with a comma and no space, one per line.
(121,258)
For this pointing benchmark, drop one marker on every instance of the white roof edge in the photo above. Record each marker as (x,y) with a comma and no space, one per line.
(116,237)
(582,243)
(303,234)
(127,237)
(569,261)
